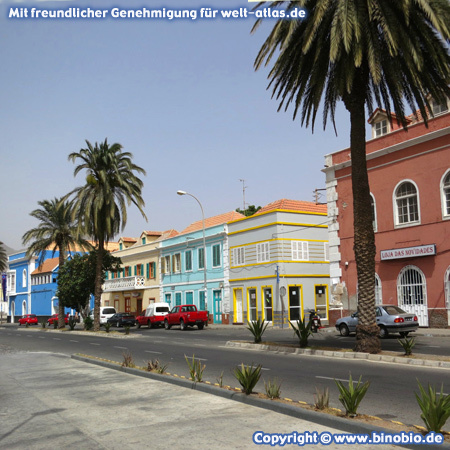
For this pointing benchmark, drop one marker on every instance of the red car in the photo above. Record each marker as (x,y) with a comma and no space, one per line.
(30,319)
(55,317)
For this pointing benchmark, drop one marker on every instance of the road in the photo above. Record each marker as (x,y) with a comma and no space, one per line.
(390,396)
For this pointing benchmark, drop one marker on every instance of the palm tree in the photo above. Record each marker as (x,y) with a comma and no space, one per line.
(3,258)
(101,204)
(56,232)
(361,52)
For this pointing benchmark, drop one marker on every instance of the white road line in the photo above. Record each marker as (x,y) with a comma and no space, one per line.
(93,343)
(156,353)
(56,339)
(264,368)
(41,337)
(29,335)
(431,346)
(330,378)
(73,341)
(199,345)
(158,342)
(199,359)
(123,348)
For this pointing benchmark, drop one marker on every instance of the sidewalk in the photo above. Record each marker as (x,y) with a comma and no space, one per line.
(50,400)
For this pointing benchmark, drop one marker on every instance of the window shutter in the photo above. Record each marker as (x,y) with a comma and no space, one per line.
(148,270)
(153,270)
(135,270)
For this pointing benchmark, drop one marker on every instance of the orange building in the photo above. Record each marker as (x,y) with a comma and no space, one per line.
(409,176)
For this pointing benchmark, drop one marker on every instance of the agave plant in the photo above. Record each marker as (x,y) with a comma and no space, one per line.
(435,407)
(352,396)
(303,331)
(257,328)
(248,377)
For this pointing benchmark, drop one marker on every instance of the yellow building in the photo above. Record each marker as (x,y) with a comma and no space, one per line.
(137,283)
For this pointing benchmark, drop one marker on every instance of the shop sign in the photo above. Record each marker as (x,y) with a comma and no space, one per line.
(408,252)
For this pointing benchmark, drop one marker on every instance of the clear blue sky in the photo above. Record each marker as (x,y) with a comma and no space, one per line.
(181,95)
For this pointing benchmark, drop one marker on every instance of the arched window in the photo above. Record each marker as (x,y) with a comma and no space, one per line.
(445,195)
(24,278)
(24,308)
(378,291)
(374,212)
(406,204)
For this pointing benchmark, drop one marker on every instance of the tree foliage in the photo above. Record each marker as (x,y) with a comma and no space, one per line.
(3,258)
(76,279)
(252,209)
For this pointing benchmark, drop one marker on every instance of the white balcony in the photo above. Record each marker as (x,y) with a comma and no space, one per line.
(120,284)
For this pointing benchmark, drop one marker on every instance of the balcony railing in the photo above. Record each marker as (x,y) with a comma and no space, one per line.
(119,284)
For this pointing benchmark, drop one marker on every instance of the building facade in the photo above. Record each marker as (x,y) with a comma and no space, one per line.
(409,176)
(187,267)
(279,266)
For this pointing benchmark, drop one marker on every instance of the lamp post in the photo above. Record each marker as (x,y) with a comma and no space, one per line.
(204,244)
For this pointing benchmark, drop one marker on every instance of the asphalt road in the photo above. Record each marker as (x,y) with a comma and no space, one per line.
(391,394)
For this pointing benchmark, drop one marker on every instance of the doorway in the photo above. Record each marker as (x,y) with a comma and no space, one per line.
(238,305)
(217,299)
(295,303)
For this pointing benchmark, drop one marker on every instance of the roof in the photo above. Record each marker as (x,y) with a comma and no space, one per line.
(213,221)
(293,205)
(168,234)
(152,233)
(128,239)
(49,265)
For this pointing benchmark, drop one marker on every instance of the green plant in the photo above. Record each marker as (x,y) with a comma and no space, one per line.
(88,323)
(107,326)
(435,407)
(72,323)
(273,388)
(27,325)
(43,324)
(219,380)
(127,329)
(303,331)
(351,397)
(407,344)
(195,369)
(321,398)
(55,324)
(127,360)
(248,377)
(156,366)
(257,328)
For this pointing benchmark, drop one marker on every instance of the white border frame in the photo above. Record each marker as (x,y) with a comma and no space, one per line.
(395,208)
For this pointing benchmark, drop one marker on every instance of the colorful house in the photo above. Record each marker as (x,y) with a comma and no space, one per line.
(279,265)
(192,273)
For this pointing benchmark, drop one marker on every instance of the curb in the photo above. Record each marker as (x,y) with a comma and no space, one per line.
(326,420)
(337,354)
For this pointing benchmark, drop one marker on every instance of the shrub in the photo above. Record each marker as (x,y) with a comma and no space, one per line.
(88,323)
(27,325)
(273,388)
(55,323)
(322,398)
(435,407)
(248,377)
(72,323)
(107,326)
(127,360)
(351,397)
(257,328)
(43,324)
(195,369)
(407,344)
(219,380)
(303,331)
(156,366)
(127,329)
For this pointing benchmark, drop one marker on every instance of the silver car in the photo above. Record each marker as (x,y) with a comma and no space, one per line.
(390,319)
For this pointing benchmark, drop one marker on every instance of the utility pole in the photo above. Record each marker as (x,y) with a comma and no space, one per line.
(317,196)
(244,187)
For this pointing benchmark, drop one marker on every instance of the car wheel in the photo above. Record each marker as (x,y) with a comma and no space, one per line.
(149,324)
(200,326)
(404,334)
(166,325)
(182,325)
(383,332)
(343,329)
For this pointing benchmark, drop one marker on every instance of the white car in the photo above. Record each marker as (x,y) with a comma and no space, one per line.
(105,313)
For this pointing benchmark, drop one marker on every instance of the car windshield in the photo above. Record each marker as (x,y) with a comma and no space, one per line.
(109,311)
(393,310)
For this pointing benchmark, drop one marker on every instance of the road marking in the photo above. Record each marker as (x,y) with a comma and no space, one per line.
(199,345)
(73,341)
(199,359)
(264,368)
(156,353)
(29,335)
(123,348)
(158,342)
(195,339)
(41,337)
(330,378)
(93,343)
(431,346)
(56,339)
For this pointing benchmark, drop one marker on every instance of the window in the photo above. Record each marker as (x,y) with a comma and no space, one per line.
(374,212)
(381,128)
(378,291)
(201,258)
(176,263)
(216,255)
(238,256)
(188,260)
(144,240)
(168,298)
(252,305)
(121,246)
(300,250)
(24,278)
(151,270)
(262,252)
(177,298)
(445,191)
(438,108)
(267,295)
(165,264)
(11,282)
(407,204)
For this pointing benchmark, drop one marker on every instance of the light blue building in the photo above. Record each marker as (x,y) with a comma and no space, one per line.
(183,261)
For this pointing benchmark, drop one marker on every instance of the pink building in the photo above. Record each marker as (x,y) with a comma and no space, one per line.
(409,176)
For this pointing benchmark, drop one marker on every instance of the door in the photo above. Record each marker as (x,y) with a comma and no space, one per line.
(268,306)
(128,305)
(116,305)
(321,300)
(189,298)
(217,299)
(412,293)
(201,298)
(13,311)
(238,305)
(295,303)
(177,298)
(252,305)
(138,306)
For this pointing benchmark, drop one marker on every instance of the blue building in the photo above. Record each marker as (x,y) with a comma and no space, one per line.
(183,260)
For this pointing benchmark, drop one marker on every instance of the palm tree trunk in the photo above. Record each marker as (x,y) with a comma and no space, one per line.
(98,285)
(61,323)
(367,331)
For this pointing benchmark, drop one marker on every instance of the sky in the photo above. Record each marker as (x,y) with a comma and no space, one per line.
(181,95)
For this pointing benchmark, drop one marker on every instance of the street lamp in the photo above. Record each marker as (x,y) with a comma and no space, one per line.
(204,244)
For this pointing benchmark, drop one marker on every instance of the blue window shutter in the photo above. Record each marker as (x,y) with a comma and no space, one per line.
(135,270)
(148,270)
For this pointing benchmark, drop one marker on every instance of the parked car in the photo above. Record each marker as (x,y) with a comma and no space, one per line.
(55,317)
(390,319)
(105,313)
(186,315)
(30,319)
(153,316)
(122,320)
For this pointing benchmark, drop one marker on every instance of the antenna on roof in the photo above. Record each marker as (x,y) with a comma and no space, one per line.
(244,187)
(317,196)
